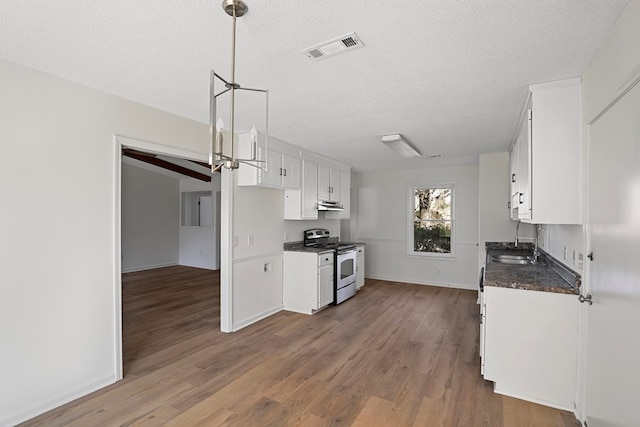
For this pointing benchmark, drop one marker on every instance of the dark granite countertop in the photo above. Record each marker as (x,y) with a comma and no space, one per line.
(354,243)
(547,275)
(299,247)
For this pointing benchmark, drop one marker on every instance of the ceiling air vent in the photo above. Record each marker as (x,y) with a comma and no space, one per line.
(335,46)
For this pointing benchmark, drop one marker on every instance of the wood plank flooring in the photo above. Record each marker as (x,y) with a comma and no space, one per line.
(394,355)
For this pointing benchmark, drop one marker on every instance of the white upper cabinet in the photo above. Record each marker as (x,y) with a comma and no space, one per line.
(291,172)
(345,198)
(514,161)
(303,203)
(271,177)
(547,153)
(282,171)
(306,177)
(328,184)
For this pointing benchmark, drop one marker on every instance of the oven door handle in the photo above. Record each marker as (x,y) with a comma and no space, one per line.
(346,251)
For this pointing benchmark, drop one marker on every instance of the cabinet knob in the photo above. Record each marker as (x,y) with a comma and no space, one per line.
(513,177)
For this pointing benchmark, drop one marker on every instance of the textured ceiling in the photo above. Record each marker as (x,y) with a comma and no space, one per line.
(449,76)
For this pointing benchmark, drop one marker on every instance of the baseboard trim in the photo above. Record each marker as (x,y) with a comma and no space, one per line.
(253,319)
(425,283)
(533,400)
(148,267)
(62,399)
(204,267)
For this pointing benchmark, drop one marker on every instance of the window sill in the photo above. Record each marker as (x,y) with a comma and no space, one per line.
(433,256)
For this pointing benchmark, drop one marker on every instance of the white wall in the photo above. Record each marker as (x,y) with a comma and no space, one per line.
(295,229)
(198,247)
(615,64)
(57,311)
(382,225)
(556,238)
(258,214)
(150,215)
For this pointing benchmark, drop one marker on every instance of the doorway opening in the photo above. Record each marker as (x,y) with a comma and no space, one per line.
(168,233)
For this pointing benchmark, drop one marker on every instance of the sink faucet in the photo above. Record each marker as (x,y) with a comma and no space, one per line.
(536,254)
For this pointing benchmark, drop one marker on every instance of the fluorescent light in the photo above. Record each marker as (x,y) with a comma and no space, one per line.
(400,145)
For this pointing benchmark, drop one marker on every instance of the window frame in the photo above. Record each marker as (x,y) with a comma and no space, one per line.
(410,216)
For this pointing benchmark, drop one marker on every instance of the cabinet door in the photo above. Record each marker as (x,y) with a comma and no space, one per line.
(514,162)
(302,203)
(360,267)
(324,183)
(524,168)
(527,354)
(334,185)
(273,175)
(291,172)
(345,198)
(325,285)
(309,190)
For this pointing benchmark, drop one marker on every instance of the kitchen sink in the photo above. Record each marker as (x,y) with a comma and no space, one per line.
(512,259)
(504,256)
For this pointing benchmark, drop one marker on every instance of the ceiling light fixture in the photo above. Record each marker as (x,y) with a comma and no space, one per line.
(219,155)
(400,145)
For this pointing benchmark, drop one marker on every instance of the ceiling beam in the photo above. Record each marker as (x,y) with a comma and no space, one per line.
(203,164)
(153,160)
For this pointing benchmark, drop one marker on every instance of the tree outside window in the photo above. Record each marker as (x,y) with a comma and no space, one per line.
(432,220)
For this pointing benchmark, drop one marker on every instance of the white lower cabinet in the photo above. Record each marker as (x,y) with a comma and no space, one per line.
(307,281)
(325,280)
(528,343)
(360,267)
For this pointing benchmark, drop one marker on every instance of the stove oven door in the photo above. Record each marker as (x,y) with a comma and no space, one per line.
(346,267)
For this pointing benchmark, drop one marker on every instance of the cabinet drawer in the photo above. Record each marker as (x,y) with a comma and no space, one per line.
(325,259)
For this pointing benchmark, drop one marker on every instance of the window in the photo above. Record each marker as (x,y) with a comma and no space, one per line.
(197,209)
(430,225)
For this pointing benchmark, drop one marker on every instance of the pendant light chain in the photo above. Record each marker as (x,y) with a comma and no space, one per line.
(235,9)
(233,82)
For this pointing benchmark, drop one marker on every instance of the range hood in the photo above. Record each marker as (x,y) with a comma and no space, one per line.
(329,206)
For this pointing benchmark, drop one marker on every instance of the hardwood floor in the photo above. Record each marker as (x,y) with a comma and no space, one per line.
(395,355)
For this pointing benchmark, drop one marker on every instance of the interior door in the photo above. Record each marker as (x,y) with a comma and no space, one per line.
(612,383)
(206,211)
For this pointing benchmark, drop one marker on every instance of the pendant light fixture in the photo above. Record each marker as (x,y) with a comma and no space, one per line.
(223,153)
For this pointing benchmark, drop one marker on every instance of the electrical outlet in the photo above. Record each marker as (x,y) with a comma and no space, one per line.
(564,254)
(250,239)
(574,258)
(580,260)
(236,242)
(266,267)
